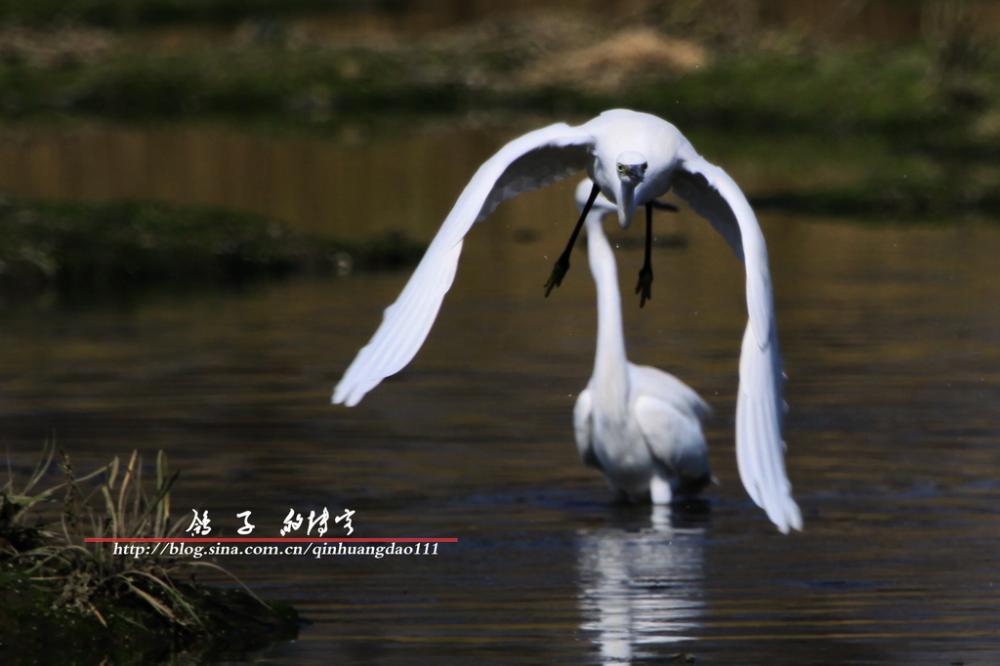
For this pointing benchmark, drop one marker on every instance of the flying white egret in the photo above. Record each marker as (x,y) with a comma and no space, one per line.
(639,425)
(633,158)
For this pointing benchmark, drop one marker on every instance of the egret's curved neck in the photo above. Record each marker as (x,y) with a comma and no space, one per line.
(610,381)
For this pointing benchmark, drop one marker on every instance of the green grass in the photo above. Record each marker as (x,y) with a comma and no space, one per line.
(78,247)
(893,200)
(946,80)
(863,89)
(774,81)
(900,90)
(247,83)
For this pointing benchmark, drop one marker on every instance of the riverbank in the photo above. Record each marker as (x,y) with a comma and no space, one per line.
(34,621)
(684,67)
(61,597)
(77,248)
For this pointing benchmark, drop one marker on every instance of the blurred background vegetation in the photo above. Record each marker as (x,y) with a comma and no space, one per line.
(870,64)
(880,108)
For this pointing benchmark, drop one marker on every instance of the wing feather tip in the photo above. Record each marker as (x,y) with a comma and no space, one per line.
(348,394)
(788,517)
(795,517)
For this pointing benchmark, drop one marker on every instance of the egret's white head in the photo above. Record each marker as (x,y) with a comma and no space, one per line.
(631,171)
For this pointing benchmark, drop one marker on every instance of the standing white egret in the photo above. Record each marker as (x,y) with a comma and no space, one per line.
(637,424)
(633,158)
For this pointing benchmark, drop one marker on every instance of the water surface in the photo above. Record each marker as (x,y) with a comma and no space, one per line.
(891,338)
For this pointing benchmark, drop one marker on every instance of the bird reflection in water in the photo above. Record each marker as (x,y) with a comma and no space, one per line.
(641,581)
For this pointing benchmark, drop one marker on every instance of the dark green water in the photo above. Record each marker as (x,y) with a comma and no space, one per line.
(892,345)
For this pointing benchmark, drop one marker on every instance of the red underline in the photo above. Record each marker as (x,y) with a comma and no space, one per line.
(270,540)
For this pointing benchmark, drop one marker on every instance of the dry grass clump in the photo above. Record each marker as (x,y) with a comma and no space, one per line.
(112,501)
(624,58)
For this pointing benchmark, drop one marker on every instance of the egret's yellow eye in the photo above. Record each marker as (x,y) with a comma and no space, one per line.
(622,169)
(644,165)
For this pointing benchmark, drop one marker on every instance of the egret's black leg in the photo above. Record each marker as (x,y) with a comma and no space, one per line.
(644,287)
(562,263)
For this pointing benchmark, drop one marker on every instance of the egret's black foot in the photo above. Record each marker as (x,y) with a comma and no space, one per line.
(645,285)
(558,273)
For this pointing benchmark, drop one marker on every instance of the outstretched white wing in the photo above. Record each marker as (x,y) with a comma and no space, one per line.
(528,162)
(760,450)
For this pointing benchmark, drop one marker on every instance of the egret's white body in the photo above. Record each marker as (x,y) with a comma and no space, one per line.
(639,425)
(634,158)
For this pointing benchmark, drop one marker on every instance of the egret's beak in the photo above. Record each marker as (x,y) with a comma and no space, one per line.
(626,204)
